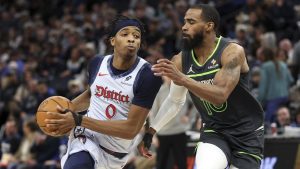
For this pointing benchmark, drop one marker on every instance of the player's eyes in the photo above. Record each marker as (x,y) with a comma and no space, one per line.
(136,36)
(191,22)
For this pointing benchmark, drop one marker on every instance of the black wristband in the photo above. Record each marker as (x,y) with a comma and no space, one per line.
(77,118)
(147,140)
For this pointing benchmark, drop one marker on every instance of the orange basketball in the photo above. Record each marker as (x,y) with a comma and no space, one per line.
(50,105)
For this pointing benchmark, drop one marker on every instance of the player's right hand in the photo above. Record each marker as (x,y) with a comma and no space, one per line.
(145,145)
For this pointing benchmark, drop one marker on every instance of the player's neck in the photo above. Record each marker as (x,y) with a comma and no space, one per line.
(123,63)
(203,51)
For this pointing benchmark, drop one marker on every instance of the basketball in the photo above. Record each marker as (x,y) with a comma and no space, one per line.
(50,105)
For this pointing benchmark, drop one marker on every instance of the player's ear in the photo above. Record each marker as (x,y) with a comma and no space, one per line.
(209,26)
(112,41)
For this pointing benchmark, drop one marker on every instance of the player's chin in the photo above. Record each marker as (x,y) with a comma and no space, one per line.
(131,53)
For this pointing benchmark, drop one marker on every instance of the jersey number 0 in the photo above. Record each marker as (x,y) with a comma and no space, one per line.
(110,111)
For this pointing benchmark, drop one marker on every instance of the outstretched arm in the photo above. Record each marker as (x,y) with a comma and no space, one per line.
(168,110)
(233,63)
(170,107)
(174,101)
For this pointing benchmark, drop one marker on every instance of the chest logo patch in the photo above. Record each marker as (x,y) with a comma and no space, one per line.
(213,65)
(190,70)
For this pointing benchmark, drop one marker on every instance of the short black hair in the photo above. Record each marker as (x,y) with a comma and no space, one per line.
(209,14)
(112,27)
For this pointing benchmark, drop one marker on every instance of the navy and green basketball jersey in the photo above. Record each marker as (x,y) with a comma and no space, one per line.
(241,113)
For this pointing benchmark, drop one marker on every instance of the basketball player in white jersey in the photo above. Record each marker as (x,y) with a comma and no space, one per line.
(121,92)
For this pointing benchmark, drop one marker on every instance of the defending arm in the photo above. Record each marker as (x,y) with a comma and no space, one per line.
(170,107)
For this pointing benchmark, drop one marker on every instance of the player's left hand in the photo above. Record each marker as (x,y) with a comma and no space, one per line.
(165,67)
(145,145)
(60,123)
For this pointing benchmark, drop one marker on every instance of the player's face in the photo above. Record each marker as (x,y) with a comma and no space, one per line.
(193,29)
(127,41)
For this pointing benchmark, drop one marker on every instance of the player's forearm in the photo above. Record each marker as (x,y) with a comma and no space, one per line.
(167,112)
(82,102)
(117,128)
(209,92)
(170,107)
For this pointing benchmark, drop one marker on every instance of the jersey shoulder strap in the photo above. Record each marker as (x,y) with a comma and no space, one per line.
(93,68)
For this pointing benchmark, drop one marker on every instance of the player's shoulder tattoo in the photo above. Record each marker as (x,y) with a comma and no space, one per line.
(234,55)
(234,62)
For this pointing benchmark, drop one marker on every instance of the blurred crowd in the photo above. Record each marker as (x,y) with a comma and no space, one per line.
(45,46)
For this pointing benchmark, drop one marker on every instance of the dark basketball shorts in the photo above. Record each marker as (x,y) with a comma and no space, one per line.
(243,152)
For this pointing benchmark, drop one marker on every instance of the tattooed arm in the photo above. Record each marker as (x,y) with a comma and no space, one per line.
(233,63)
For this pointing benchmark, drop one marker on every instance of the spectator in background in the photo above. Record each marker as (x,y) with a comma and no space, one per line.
(287,47)
(23,157)
(296,122)
(282,55)
(294,96)
(296,61)
(51,59)
(283,17)
(254,81)
(75,87)
(283,116)
(25,98)
(44,90)
(9,86)
(43,155)
(74,63)
(89,50)
(155,48)
(268,40)
(274,84)
(181,6)
(242,37)
(10,142)
(283,119)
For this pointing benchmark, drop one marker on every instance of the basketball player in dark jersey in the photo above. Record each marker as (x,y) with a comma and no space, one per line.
(215,72)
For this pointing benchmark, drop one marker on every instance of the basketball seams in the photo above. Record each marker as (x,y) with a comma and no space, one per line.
(58,103)
(50,104)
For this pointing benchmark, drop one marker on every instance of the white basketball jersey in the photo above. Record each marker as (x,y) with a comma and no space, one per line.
(111,97)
